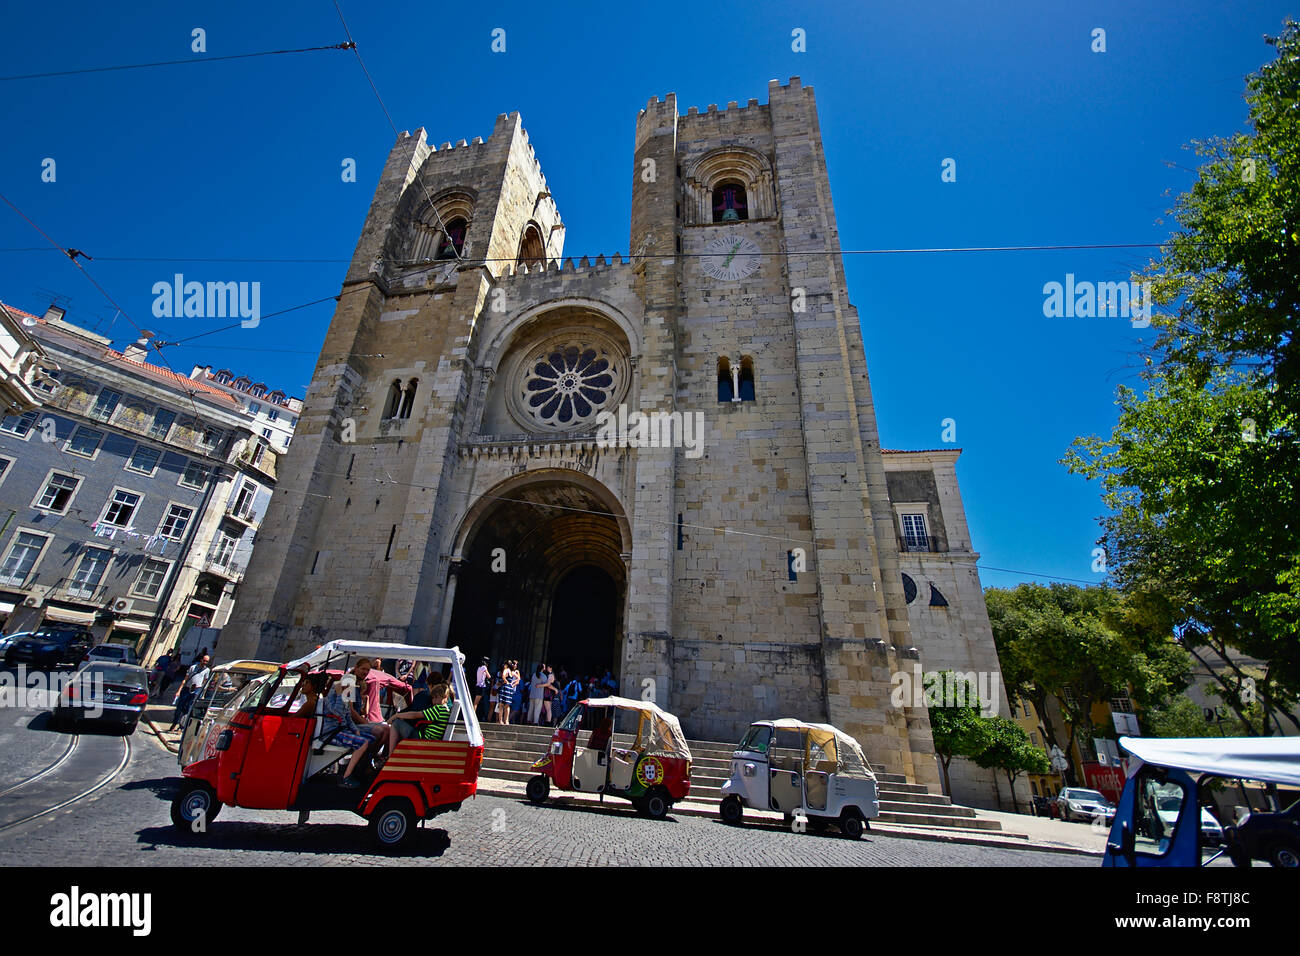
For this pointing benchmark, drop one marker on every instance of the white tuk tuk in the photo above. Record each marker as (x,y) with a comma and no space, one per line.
(814,772)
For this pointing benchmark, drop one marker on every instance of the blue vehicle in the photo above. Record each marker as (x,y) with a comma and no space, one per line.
(1162,818)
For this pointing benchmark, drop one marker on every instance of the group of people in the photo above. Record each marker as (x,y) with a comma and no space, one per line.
(353,710)
(542,698)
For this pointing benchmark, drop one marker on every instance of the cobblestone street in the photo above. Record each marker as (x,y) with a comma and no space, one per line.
(127,824)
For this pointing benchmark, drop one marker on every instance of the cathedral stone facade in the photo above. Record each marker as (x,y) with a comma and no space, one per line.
(448,483)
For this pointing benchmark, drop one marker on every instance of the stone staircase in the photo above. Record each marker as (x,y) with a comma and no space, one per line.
(509,754)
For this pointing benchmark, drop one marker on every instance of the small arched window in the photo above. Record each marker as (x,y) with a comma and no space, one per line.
(394,402)
(730,204)
(746,379)
(726,389)
(452,245)
(408,398)
(531,250)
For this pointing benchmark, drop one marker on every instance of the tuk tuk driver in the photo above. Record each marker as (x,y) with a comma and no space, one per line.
(430,723)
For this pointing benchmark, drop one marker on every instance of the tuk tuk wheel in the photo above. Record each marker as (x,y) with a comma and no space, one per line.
(539,788)
(731,810)
(1283,854)
(655,804)
(196,799)
(851,825)
(392,825)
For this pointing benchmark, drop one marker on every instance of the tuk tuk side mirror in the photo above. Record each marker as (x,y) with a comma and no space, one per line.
(1127,842)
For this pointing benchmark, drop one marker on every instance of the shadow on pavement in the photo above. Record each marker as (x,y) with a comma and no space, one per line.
(608,809)
(325,839)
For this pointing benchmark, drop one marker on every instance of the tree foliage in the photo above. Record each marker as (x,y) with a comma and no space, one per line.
(958,731)
(1199,476)
(1007,748)
(1082,646)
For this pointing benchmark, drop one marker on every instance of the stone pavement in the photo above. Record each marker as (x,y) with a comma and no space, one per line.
(128,825)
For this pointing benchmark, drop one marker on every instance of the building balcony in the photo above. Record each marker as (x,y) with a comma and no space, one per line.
(225,566)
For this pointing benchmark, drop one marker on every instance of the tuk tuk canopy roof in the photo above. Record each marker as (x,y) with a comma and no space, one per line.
(326,653)
(666,733)
(401,652)
(250,667)
(835,743)
(1274,759)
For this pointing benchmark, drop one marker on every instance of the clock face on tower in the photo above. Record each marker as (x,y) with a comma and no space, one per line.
(730,256)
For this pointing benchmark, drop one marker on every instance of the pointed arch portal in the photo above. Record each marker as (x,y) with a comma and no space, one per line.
(542,577)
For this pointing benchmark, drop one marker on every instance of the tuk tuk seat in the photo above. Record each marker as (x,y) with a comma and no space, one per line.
(452,715)
(323,753)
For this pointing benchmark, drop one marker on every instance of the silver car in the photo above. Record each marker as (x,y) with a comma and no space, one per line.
(105,691)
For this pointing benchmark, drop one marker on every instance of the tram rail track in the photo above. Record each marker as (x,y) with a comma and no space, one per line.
(62,761)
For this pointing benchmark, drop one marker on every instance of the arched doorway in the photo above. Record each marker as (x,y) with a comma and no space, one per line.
(541,576)
(584,613)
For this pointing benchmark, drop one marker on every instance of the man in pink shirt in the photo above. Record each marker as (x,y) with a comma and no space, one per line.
(376,680)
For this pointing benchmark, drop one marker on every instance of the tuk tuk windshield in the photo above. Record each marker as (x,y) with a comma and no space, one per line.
(222,687)
(254,694)
(757,740)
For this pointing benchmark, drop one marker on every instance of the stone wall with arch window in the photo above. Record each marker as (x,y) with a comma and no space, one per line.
(729,164)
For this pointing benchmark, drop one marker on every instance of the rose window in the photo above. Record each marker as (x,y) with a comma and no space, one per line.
(565,385)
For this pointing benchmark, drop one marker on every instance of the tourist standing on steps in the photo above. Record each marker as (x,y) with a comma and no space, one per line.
(482,681)
(506,695)
(535,694)
(549,690)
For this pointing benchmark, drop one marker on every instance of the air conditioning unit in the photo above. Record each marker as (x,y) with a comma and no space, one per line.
(33,601)
(122,605)
(36,595)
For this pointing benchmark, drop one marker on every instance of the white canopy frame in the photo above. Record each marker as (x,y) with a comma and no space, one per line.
(1272,759)
(347,650)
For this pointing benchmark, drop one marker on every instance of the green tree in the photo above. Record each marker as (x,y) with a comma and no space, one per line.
(1200,473)
(957,731)
(1079,646)
(1183,717)
(1008,749)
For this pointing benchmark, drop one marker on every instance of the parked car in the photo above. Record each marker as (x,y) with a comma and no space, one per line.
(105,691)
(113,653)
(1273,837)
(1078,803)
(7,640)
(51,647)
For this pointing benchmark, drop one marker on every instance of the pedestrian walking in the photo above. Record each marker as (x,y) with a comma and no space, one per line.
(174,672)
(189,689)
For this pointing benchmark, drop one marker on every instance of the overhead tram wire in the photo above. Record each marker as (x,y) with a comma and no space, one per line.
(73,255)
(413,262)
(389,116)
(145,66)
(915,250)
(389,480)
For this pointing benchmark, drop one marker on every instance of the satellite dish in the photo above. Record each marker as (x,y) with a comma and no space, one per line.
(29,321)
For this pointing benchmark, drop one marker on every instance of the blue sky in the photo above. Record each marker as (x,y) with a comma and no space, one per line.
(1054,144)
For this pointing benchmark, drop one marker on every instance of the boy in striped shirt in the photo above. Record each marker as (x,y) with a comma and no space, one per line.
(431,722)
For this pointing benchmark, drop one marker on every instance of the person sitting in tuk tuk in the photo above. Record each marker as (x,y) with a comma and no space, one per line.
(341,728)
(431,722)
(304,705)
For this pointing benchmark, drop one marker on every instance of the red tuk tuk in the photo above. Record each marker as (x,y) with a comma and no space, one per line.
(258,754)
(653,769)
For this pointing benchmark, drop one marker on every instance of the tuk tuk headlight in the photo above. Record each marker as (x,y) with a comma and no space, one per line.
(750,770)
(557,747)
(223,740)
